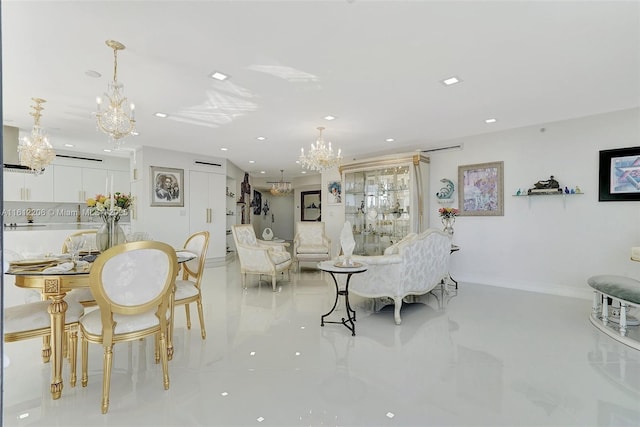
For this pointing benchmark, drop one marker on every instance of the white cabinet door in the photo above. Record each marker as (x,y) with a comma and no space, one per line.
(67,183)
(207,209)
(94,181)
(25,186)
(13,186)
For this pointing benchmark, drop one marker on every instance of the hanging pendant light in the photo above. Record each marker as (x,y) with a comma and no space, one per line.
(35,150)
(117,119)
(282,187)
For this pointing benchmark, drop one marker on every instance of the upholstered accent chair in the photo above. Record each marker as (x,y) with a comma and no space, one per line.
(188,288)
(310,243)
(132,284)
(82,295)
(32,320)
(259,256)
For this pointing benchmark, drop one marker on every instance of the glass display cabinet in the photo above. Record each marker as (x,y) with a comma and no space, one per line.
(384,201)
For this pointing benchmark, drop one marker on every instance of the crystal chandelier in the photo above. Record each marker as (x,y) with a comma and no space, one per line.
(118,118)
(320,156)
(34,150)
(281,188)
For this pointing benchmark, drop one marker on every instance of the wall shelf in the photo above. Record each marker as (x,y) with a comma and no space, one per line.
(547,194)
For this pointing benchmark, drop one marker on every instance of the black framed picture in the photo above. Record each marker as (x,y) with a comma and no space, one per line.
(619,178)
(310,207)
(256,203)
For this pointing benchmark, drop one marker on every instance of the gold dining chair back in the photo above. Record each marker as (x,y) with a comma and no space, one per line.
(132,284)
(188,288)
(83,295)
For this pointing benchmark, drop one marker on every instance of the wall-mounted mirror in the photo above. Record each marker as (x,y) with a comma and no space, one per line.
(310,206)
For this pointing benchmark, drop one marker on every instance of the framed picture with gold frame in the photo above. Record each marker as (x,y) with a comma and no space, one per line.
(481,189)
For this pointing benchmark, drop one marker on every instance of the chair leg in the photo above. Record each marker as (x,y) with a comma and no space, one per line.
(85,362)
(73,358)
(156,349)
(106,380)
(273,282)
(243,277)
(165,360)
(203,333)
(186,309)
(46,348)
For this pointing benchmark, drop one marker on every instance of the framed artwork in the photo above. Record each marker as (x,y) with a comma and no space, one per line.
(310,208)
(167,186)
(334,188)
(481,189)
(619,178)
(256,203)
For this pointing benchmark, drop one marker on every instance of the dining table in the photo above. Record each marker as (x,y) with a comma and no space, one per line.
(55,285)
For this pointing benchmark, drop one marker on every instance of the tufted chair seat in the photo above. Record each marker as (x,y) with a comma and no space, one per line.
(259,256)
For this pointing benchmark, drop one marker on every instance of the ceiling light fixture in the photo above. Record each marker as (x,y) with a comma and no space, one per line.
(260,138)
(389,140)
(321,156)
(161,115)
(491,120)
(451,81)
(329,118)
(118,118)
(282,187)
(218,76)
(35,151)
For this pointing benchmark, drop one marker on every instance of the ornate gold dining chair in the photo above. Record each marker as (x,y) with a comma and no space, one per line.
(259,256)
(310,243)
(83,295)
(32,320)
(132,284)
(188,288)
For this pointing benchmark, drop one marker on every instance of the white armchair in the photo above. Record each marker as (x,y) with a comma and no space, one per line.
(259,256)
(311,243)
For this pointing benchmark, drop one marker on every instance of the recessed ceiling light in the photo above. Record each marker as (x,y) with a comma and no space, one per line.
(92,73)
(224,393)
(252,161)
(69,145)
(491,120)
(389,139)
(161,115)
(261,138)
(218,76)
(329,117)
(253,353)
(451,81)
(106,150)
(390,415)
(262,172)
(303,172)
(135,133)
(223,149)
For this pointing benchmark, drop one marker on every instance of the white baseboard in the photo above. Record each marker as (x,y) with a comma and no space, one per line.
(543,288)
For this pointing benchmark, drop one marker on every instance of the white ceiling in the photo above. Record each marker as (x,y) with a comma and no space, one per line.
(375,65)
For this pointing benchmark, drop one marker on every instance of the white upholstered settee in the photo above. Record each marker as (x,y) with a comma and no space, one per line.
(413,266)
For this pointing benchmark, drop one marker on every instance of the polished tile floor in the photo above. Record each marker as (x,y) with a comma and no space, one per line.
(477,356)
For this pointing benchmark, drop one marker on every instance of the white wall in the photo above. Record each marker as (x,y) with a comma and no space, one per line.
(548,244)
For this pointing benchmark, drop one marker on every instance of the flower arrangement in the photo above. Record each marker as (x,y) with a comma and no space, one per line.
(448,212)
(107,206)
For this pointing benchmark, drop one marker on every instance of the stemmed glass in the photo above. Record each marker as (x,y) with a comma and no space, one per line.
(74,245)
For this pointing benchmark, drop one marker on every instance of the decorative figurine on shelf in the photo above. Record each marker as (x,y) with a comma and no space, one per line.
(578,190)
(518,192)
(549,186)
(447,191)
(566,190)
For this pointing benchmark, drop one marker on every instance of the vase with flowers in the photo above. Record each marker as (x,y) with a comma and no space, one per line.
(109,208)
(448,218)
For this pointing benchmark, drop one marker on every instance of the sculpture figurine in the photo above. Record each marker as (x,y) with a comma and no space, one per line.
(549,186)
(447,191)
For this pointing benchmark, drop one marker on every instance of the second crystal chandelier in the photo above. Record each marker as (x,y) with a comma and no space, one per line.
(117,119)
